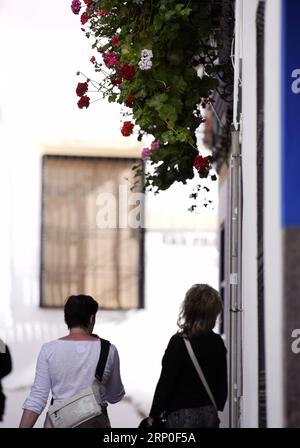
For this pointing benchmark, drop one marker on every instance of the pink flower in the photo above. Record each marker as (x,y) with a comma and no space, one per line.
(101,12)
(145,153)
(110,59)
(93,59)
(76,6)
(83,102)
(155,144)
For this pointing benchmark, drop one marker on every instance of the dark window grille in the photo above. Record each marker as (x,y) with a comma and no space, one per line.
(79,256)
(222,263)
(260,30)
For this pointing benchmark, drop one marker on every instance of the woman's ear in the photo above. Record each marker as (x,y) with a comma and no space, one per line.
(92,319)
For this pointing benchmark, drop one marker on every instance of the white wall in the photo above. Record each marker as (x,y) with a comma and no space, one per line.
(272,227)
(272,224)
(246,38)
(223,221)
(249,227)
(43,49)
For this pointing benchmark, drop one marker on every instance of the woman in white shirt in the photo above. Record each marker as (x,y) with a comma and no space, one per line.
(67,365)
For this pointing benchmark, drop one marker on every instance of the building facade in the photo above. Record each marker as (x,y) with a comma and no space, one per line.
(258,217)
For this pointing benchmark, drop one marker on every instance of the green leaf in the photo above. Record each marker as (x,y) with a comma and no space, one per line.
(168,137)
(167,113)
(157,101)
(112,97)
(183,136)
(157,23)
(106,46)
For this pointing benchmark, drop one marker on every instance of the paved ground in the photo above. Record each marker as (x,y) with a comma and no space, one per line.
(122,415)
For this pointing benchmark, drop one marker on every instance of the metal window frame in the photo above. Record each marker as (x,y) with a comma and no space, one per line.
(141,277)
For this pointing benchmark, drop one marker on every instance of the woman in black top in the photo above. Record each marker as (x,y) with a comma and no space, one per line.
(180,393)
(5,369)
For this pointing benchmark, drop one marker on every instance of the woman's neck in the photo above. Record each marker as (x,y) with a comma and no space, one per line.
(78,333)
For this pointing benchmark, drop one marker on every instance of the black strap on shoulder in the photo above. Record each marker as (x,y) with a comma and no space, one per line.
(105,345)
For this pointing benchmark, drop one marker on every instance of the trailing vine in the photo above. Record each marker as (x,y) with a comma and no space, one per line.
(159,59)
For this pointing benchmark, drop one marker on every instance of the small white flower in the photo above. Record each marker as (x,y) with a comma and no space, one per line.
(200,71)
(145,64)
(146,54)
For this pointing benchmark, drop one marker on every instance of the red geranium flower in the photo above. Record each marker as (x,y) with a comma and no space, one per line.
(127,128)
(116,80)
(82,88)
(101,12)
(84,18)
(115,41)
(93,59)
(127,71)
(129,101)
(201,163)
(83,102)
(87,2)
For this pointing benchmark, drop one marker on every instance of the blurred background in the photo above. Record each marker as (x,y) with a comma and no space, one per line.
(56,160)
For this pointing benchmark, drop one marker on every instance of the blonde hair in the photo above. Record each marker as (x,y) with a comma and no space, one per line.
(199,310)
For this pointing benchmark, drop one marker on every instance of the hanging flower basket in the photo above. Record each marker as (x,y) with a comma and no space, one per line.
(159,59)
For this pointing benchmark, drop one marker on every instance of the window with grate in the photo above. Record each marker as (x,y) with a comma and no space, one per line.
(92,237)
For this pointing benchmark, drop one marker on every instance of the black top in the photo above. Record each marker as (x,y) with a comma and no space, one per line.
(179,385)
(5,363)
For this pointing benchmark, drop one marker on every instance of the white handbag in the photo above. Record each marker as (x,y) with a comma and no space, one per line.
(74,411)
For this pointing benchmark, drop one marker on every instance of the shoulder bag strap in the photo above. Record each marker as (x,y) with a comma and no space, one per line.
(199,371)
(104,350)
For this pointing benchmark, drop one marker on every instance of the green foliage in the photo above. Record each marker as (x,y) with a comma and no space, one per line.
(166,97)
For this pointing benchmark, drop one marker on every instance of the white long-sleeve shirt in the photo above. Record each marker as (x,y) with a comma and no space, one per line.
(66,367)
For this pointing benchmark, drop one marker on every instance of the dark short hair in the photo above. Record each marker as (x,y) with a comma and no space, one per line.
(79,309)
(199,310)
